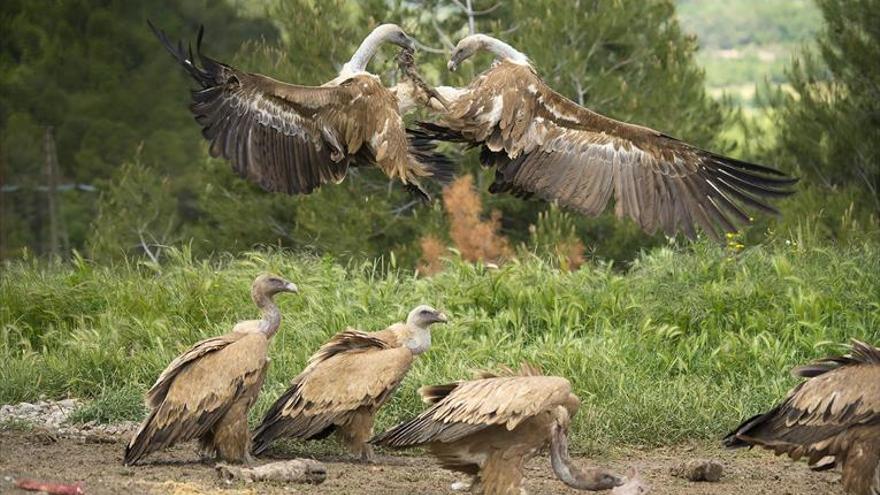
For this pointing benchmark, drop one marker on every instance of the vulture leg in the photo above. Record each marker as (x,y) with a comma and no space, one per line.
(357,431)
(502,474)
(861,469)
(230,438)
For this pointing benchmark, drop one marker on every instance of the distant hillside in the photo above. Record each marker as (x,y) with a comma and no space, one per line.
(745,41)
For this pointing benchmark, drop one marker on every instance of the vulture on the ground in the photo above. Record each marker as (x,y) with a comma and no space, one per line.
(206,392)
(292,139)
(491,426)
(832,418)
(546,145)
(346,382)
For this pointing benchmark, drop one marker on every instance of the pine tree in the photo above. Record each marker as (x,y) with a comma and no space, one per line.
(829,121)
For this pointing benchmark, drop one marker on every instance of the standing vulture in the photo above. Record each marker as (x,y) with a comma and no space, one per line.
(291,138)
(206,392)
(346,382)
(546,145)
(491,426)
(834,414)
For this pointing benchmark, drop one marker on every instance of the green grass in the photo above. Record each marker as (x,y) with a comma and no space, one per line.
(680,346)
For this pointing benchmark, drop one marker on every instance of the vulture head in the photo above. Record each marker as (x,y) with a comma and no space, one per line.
(591,479)
(468,46)
(424,316)
(267,285)
(392,33)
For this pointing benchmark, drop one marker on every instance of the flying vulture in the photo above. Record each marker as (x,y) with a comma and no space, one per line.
(832,418)
(546,145)
(346,382)
(491,426)
(292,139)
(206,392)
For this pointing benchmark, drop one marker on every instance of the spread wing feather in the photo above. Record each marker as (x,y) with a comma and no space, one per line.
(817,419)
(464,408)
(197,390)
(543,144)
(353,370)
(291,138)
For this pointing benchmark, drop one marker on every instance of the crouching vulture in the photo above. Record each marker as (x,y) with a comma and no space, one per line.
(832,418)
(291,138)
(206,392)
(546,145)
(346,382)
(491,426)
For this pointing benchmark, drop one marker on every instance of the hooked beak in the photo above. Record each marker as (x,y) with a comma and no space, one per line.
(291,287)
(452,65)
(440,317)
(409,43)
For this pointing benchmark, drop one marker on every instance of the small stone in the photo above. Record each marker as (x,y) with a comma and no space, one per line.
(699,470)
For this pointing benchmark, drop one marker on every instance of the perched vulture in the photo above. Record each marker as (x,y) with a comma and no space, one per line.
(831,418)
(346,382)
(491,426)
(546,145)
(206,392)
(291,138)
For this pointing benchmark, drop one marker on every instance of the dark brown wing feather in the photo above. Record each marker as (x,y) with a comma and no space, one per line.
(823,415)
(543,144)
(293,139)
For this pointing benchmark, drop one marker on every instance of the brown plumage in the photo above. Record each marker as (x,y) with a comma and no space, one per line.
(491,426)
(346,382)
(835,414)
(206,392)
(291,138)
(546,145)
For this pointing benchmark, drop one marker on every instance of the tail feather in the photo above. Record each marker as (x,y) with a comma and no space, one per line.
(424,149)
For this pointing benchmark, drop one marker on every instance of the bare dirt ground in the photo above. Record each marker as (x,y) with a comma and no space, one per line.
(177,471)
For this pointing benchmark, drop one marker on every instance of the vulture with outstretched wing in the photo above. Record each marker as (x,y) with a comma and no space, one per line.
(346,382)
(292,139)
(206,392)
(832,418)
(491,426)
(546,145)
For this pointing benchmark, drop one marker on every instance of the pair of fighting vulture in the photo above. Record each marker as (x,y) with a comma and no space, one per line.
(293,139)
(487,428)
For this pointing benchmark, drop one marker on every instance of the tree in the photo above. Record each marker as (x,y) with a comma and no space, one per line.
(829,120)
(93,71)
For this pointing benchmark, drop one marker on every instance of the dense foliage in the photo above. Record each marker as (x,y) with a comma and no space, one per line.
(121,121)
(829,121)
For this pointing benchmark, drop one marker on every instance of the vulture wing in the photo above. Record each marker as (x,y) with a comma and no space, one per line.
(197,389)
(292,139)
(820,416)
(544,144)
(353,370)
(468,407)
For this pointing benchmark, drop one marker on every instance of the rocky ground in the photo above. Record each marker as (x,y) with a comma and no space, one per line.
(36,443)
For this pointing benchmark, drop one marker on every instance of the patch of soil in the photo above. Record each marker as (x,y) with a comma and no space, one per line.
(177,471)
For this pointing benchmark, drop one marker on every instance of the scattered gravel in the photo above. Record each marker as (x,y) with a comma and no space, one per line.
(49,419)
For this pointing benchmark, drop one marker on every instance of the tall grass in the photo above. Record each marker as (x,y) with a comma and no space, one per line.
(680,346)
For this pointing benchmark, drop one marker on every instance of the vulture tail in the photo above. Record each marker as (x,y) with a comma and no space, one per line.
(209,75)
